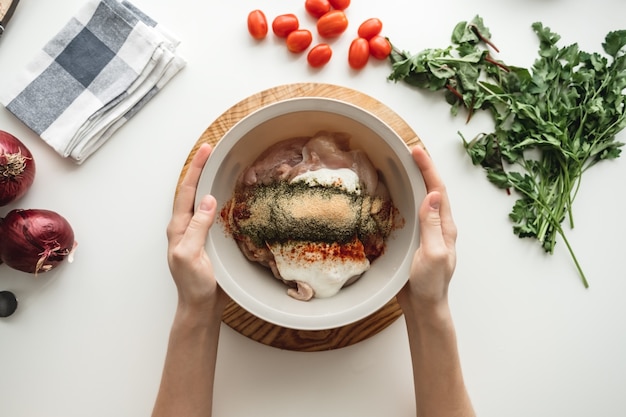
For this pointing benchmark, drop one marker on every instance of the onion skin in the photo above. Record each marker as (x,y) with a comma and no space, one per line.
(17,168)
(35,241)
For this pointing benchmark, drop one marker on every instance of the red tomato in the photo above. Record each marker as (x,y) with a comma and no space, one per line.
(359,53)
(370,28)
(257,24)
(299,40)
(319,55)
(340,4)
(317,8)
(380,48)
(284,24)
(332,24)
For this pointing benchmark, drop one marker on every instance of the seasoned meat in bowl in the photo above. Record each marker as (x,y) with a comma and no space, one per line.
(253,285)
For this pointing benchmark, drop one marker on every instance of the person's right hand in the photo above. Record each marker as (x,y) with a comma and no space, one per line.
(437,374)
(435,259)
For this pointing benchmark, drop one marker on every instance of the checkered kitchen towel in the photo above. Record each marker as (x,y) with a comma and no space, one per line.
(93,76)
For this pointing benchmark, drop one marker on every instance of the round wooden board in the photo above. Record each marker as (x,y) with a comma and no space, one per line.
(241,320)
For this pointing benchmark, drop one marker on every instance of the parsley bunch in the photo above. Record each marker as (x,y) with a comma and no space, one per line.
(552,121)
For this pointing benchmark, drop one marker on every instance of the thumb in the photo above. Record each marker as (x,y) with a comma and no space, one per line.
(430,220)
(201,221)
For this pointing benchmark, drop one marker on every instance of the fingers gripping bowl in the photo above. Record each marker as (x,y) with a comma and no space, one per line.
(251,285)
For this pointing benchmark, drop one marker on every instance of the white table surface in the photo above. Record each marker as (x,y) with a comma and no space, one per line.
(89,338)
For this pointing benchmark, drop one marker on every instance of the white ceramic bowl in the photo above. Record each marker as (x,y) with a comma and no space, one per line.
(252,286)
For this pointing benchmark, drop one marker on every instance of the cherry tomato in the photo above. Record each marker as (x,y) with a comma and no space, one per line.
(284,24)
(370,28)
(257,24)
(317,8)
(380,48)
(359,53)
(332,24)
(340,4)
(319,55)
(299,40)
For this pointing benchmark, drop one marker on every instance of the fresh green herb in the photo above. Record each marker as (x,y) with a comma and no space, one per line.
(552,121)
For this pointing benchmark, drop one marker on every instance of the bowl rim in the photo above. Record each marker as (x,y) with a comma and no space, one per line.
(357,311)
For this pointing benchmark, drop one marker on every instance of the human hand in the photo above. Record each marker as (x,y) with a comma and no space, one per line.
(435,259)
(187,232)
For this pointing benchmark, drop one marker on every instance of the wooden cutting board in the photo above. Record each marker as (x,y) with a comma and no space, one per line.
(241,320)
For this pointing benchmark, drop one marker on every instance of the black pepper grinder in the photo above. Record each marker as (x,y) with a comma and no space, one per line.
(8,303)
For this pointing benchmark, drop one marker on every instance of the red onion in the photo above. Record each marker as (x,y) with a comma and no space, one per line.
(35,240)
(17,168)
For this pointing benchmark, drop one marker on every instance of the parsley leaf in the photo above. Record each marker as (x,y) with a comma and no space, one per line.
(552,121)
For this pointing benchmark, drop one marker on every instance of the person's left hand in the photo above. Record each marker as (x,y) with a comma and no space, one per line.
(187,233)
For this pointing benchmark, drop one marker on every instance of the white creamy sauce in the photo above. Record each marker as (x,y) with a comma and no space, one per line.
(325,273)
(343,178)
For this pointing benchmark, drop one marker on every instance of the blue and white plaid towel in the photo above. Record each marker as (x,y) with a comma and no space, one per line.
(93,76)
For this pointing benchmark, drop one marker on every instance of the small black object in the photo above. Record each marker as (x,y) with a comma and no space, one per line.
(8,303)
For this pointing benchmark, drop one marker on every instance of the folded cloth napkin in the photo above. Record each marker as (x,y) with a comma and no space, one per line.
(93,76)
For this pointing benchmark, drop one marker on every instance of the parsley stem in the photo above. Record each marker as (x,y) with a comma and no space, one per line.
(483,38)
(489,59)
(573,256)
(557,226)
(454,91)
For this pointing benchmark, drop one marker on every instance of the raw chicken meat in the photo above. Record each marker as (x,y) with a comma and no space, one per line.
(313,211)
